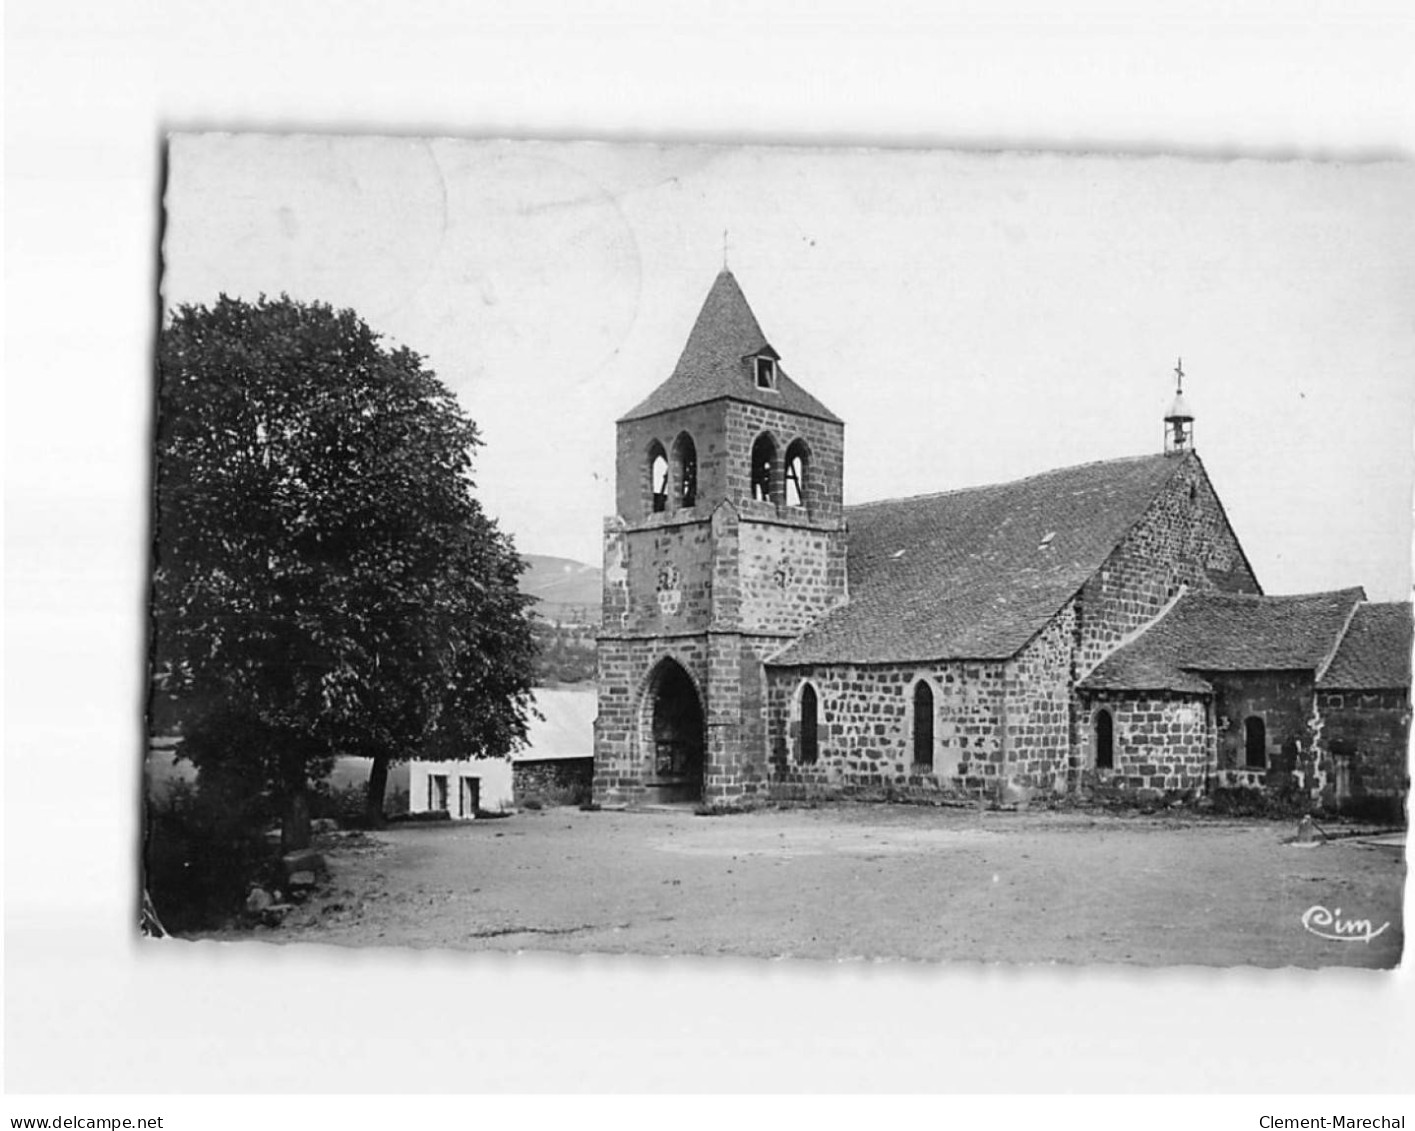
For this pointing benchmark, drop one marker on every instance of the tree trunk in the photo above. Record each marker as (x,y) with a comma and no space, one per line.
(295,814)
(295,822)
(377,788)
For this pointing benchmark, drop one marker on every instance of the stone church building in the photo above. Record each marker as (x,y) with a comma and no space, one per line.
(1089,629)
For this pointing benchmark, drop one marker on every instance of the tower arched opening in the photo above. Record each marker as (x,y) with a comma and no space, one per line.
(658,478)
(677,733)
(797,474)
(685,470)
(763,467)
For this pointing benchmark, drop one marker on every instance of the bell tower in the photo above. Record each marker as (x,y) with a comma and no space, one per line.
(1179,421)
(727,542)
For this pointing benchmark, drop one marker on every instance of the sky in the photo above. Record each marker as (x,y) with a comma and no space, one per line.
(973,317)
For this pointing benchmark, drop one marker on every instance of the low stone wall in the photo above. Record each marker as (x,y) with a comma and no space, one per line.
(552,781)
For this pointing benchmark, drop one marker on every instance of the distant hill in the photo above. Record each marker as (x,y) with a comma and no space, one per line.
(563,586)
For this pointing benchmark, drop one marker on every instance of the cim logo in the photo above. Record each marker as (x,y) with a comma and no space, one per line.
(1330,925)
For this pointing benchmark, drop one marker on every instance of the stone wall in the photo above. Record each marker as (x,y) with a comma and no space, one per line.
(866,732)
(565,781)
(623,761)
(1161,741)
(658,581)
(825,473)
(726,668)
(1183,540)
(1284,701)
(633,495)
(723,433)
(789,576)
(1039,708)
(716,586)
(1365,745)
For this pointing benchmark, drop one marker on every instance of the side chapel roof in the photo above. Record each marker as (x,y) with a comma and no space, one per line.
(976,573)
(1216,632)
(715,362)
(1375,652)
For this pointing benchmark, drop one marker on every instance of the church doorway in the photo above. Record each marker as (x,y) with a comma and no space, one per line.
(677,734)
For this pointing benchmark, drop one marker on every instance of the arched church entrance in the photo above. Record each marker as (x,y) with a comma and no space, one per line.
(677,735)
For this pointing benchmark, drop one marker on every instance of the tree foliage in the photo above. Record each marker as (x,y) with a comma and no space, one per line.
(325,581)
(565,653)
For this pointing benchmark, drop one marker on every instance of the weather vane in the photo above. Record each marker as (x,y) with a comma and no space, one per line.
(724,249)
(1179,375)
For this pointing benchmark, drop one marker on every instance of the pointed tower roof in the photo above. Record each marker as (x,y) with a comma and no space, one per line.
(715,364)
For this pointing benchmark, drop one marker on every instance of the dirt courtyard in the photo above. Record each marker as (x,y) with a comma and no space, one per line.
(870,881)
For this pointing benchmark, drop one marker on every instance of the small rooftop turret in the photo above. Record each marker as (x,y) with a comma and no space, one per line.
(1179,420)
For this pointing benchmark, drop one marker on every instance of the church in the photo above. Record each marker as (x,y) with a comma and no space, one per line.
(1091,631)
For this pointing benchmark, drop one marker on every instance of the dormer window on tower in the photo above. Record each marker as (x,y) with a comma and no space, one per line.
(765,371)
(762,364)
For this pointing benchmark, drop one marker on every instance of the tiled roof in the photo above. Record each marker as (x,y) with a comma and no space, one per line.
(714,366)
(1214,632)
(1375,652)
(972,574)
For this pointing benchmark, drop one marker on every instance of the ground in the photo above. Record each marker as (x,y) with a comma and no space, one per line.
(861,881)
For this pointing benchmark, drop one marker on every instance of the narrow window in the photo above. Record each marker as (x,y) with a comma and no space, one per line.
(797,461)
(810,732)
(763,464)
(1255,743)
(685,462)
(766,373)
(923,725)
(1105,740)
(658,477)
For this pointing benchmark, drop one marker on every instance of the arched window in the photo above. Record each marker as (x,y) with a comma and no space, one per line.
(1255,743)
(808,747)
(1105,740)
(658,477)
(923,724)
(685,465)
(763,466)
(798,459)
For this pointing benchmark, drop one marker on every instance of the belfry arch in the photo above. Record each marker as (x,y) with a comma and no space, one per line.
(674,733)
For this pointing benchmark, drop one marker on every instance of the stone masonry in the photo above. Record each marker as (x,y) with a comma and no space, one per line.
(715,586)
(747,596)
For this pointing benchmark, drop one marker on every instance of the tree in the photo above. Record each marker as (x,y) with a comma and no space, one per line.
(325,581)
